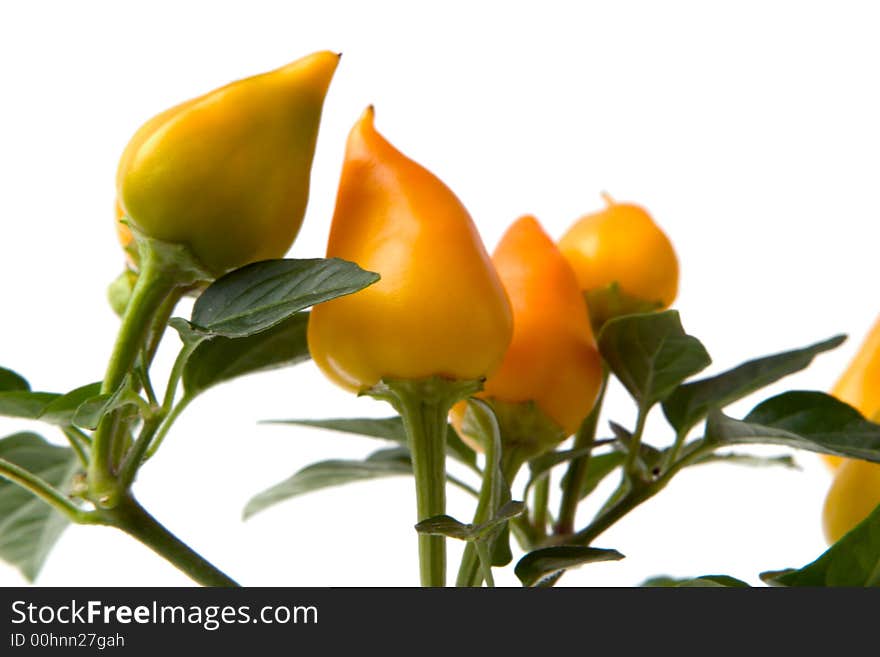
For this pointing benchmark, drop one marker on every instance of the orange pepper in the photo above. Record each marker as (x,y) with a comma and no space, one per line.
(439,308)
(552,360)
(622,246)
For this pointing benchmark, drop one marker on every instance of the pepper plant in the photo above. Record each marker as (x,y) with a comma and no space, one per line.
(500,364)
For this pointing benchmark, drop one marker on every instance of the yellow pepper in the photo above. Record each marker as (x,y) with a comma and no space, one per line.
(439,308)
(859,385)
(623,261)
(853,495)
(227,174)
(552,360)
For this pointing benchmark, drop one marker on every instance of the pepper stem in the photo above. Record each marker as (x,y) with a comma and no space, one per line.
(424,405)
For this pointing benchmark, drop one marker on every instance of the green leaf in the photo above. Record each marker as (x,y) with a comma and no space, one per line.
(651,354)
(62,409)
(544,566)
(88,414)
(704,581)
(326,474)
(258,296)
(29,527)
(25,403)
(10,381)
(540,466)
(610,301)
(221,359)
(388,428)
(803,420)
(649,457)
(444,525)
(853,561)
(750,460)
(599,467)
(691,402)
(336,472)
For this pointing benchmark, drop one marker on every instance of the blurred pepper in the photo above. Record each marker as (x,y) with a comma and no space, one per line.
(853,495)
(227,173)
(623,261)
(439,308)
(859,385)
(552,360)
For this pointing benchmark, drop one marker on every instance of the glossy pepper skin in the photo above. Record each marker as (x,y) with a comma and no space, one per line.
(622,245)
(439,308)
(859,385)
(552,359)
(228,173)
(853,495)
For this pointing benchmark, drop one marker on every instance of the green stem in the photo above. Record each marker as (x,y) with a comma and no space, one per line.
(150,292)
(133,519)
(638,493)
(424,405)
(160,323)
(426,430)
(166,425)
(81,447)
(470,572)
(631,464)
(578,468)
(539,505)
(676,449)
(46,492)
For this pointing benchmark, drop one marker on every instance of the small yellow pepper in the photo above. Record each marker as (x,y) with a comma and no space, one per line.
(622,246)
(227,174)
(859,385)
(853,495)
(552,360)
(439,308)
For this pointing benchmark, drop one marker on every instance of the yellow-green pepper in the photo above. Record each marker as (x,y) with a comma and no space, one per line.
(227,173)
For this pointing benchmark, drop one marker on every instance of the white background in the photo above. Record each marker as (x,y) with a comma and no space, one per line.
(750,130)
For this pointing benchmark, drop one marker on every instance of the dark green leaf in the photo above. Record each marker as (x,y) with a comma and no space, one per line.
(803,420)
(751,460)
(336,472)
(260,295)
(10,381)
(546,565)
(651,354)
(29,527)
(326,474)
(25,404)
(705,581)
(388,428)
(610,301)
(691,402)
(444,525)
(221,359)
(63,408)
(853,561)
